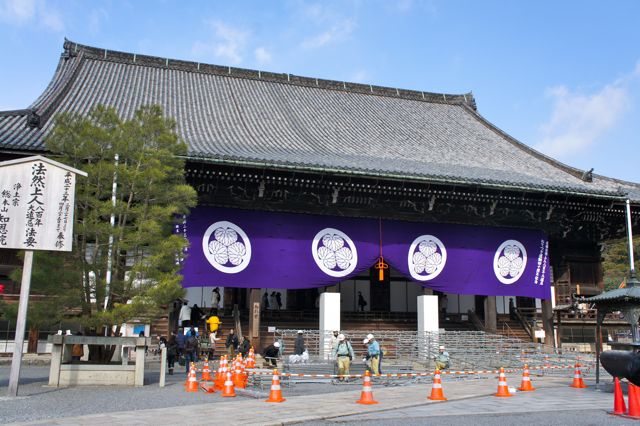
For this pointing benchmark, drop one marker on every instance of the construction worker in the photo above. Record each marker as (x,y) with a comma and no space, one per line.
(271,353)
(442,359)
(343,353)
(373,353)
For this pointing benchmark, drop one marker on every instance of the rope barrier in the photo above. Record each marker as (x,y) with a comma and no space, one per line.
(426,374)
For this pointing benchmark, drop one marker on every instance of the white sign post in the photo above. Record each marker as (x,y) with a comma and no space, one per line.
(36,213)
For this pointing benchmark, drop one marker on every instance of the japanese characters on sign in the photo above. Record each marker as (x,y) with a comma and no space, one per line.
(36,204)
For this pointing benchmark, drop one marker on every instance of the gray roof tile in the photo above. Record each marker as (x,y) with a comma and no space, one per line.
(282,120)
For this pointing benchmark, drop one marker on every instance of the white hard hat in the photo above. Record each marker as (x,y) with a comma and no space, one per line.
(300,332)
(340,336)
(276,344)
(369,336)
(365,341)
(441,347)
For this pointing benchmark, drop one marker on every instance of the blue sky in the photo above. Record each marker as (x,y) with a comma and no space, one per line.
(560,76)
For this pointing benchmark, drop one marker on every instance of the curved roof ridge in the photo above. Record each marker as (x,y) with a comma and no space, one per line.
(578,173)
(72,48)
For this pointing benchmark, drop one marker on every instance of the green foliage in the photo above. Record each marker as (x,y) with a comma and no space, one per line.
(151,195)
(616,261)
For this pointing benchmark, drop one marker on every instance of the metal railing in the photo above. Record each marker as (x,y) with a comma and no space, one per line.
(467,349)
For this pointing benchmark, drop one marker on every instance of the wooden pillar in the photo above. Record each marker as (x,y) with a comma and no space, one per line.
(253,333)
(427,291)
(547,322)
(490,315)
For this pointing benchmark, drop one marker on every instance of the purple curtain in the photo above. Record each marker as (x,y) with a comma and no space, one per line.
(256,249)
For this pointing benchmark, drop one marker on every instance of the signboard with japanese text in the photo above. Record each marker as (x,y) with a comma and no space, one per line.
(36,204)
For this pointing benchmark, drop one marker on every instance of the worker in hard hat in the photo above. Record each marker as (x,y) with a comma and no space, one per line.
(271,353)
(442,359)
(373,353)
(343,353)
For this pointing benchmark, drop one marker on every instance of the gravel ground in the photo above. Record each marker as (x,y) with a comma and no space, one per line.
(38,401)
(551,418)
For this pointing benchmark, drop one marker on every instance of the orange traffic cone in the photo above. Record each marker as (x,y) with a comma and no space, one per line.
(366,396)
(276,392)
(618,398)
(228,389)
(206,372)
(577,378)
(192,381)
(436,389)
(221,375)
(251,359)
(634,401)
(503,389)
(526,386)
(238,376)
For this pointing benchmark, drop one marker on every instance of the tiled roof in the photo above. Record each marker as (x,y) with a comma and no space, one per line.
(279,120)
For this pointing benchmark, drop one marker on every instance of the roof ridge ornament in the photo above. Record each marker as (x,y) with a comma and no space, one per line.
(587,176)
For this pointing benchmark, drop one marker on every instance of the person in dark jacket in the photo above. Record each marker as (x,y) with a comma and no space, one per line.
(172,352)
(190,351)
(244,347)
(232,343)
(196,315)
(299,347)
(180,340)
(271,353)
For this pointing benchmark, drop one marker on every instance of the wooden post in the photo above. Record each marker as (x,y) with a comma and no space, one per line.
(254,318)
(547,322)
(163,366)
(16,362)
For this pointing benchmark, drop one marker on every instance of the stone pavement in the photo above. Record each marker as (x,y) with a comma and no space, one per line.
(297,409)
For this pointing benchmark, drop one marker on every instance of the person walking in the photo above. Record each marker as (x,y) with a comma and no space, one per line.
(231,343)
(361,302)
(196,315)
(334,340)
(184,318)
(213,323)
(279,300)
(299,346)
(190,350)
(215,298)
(265,301)
(273,302)
(343,354)
(373,353)
(172,352)
(181,340)
(213,338)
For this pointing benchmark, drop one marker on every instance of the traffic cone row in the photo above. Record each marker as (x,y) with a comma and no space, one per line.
(228,390)
(577,378)
(221,374)
(618,398)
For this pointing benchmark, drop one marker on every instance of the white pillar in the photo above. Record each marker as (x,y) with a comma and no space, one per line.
(428,324)
(329,321)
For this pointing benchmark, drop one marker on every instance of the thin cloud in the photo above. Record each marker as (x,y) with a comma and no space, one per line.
(360,76)
(17,11)
(26,12)
(228,43)
(337,32)
(262,55)
(580,120)
(96,17)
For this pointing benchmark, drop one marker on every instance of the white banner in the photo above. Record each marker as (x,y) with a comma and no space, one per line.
(36,204)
